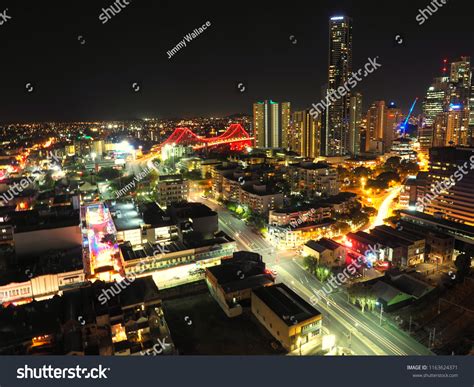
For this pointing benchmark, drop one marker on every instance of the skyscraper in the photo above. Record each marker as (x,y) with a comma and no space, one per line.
(448,106)
(460,82)
(451,201)
(308,131)
(271,123)
(436,100)
(393,117)
(355,122)
(339,71)
(375,126)
(285,124)
(471,111)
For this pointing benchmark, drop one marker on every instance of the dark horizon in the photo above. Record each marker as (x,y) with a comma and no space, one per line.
(251,43)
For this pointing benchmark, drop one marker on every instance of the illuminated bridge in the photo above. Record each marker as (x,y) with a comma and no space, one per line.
(235,137)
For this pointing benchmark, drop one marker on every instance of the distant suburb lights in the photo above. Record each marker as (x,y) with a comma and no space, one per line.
(188,38)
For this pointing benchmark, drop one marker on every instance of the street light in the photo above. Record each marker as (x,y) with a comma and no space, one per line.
(381,311)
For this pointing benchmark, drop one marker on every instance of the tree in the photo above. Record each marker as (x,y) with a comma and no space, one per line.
(409,168)
(388,176)
(108,173)
(340,228)
(463,264)
(322,273)
(310,263)
(360,172)
(393,163)
(363,296)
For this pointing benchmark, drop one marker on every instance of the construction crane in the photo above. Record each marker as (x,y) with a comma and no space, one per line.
(404,125)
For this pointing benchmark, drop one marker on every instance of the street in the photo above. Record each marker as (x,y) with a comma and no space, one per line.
(353,329)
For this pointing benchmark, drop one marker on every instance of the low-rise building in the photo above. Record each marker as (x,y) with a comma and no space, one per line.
(326,251)
(413,190)
(42,277)
(176,262)
(194,217)
(290,319)
(287,216)
(314,179)
(293,237)
(439,245)
(217,174)
(413,245)
(231,283)
(260,198)
(171,189)
(36,234)
(134,315)
(462,233)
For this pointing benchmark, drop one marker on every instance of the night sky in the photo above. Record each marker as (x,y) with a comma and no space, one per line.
(248,41)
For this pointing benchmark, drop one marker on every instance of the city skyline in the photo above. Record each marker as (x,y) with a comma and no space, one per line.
(291,184)
(100,63)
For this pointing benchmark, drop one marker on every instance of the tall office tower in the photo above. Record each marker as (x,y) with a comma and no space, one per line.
(458,112)
(439,130)
(447,106)
(308,130)
(425,138)
(259,118)
(375,126)
(471,111)
(294,141)
(285,124)
(339,71)
(436,100)
(270,121)
(393,118)
(457,122)
(355,122)
(455,203)
(461,82)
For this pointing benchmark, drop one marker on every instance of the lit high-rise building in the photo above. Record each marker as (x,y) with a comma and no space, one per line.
(308,131)
(339,71)
(375,127)
(471,112)
(355,122)
(457,120)
(436,100)
(448,106)
(393,118)
(455,202)
(271,123)
(460,82)
(285,124)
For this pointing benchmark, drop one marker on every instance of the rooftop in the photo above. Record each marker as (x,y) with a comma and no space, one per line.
(25,221)
(323,244)
(125,215)
(54,262)
(286,304)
